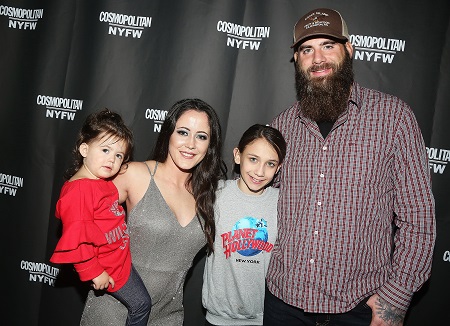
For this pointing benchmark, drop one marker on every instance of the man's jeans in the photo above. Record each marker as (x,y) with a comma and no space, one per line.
(279,313)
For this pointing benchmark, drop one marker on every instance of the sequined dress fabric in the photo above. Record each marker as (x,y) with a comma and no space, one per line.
(162,252)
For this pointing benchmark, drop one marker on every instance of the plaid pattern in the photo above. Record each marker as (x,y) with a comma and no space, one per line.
(339,199)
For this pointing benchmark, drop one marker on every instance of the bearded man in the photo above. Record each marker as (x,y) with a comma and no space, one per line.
(356,215)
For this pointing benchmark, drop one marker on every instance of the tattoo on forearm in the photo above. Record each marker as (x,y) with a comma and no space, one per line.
(389,313)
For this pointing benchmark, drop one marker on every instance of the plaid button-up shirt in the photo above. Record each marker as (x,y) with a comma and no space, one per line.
(340,198)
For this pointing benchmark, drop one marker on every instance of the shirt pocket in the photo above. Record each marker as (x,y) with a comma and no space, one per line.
(360,161)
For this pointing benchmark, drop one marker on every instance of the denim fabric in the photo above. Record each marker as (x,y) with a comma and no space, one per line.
(279,313)
(135,297)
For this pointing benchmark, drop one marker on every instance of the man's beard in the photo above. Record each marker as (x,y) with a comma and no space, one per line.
(323,99)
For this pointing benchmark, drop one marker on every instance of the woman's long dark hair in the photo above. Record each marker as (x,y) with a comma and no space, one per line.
(103,123)
(205,175)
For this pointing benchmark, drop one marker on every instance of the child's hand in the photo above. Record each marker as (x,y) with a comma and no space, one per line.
(102,281)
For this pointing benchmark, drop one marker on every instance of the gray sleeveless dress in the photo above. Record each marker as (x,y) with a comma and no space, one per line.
(162,252)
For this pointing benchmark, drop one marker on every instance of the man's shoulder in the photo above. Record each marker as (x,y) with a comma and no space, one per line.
(292,109)
(366,91)
(288,114)
(373,98)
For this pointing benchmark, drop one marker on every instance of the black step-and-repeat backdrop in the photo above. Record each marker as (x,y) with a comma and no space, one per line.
(61,60)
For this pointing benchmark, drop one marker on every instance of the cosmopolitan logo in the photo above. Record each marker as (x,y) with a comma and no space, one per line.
(59,107)
(438,159)
(9,184)
(125,25)
(446,256)
(40,272)
(376,49)
(20,18)
(158,117)
(243,37)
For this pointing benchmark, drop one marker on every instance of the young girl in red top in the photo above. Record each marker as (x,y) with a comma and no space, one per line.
(95,236)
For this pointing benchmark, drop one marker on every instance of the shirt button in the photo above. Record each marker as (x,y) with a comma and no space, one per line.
(311,261)
(319,203)
(325,148)
(322,175)
(316,232)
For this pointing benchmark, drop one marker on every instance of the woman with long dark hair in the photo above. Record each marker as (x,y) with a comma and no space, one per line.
(170,204)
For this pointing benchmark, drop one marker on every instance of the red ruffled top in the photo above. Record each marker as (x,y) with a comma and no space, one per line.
(95,235)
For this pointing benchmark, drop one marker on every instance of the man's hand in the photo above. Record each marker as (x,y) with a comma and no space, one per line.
(383,313)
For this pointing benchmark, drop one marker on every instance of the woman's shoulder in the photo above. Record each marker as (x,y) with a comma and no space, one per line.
(137,167)
(134,172)
(132,182)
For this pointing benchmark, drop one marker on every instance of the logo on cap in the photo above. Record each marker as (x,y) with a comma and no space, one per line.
(316,22)
(322,21)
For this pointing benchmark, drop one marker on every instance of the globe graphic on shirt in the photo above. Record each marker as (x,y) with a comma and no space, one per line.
(261,234)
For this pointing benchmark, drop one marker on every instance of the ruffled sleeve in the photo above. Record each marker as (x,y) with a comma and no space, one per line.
(81,236)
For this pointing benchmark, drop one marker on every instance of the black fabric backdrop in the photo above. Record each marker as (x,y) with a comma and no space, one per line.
(61,60)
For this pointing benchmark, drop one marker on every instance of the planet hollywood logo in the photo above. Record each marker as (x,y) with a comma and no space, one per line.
(438,159)
(9,184)
(243,37)
(125,25)
(158,117)
(59,107)
(248,238)
(376,49)
(20,18)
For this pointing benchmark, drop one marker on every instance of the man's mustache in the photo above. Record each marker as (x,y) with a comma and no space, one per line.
(320,67)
